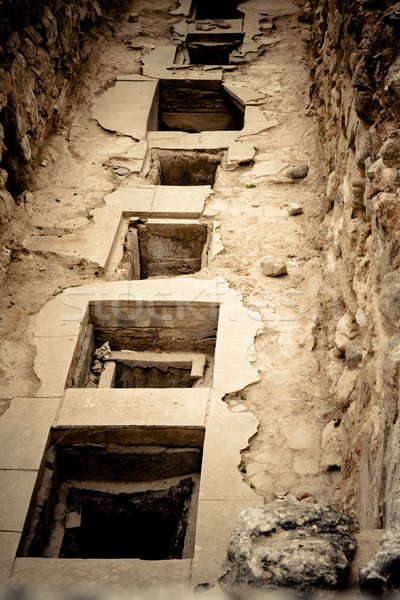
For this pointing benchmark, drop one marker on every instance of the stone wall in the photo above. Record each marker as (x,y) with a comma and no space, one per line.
(355,93)
(43,46)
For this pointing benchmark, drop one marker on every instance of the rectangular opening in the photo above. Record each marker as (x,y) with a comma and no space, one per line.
(216,9)
(147,344)
(117,493)
(197,105)
(211,52)
(166,248)
(186,167)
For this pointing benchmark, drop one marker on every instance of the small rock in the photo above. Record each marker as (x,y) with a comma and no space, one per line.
(273,267)
(133,18)
(298,172)
(44,163)
(353,356)
(295,209)
(42,269)
(122,171)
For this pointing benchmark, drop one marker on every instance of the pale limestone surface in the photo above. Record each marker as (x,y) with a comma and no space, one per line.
(53,571)
(9,541)
(24,432)
(126,107)
(239,153)
(226,432)
(215,522)
(16,492)
(141,407)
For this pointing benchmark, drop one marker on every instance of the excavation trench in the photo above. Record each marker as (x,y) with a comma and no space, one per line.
(107,499)
(197,105)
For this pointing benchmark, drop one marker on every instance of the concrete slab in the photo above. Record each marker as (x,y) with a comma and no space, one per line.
(239,153)
(126,108)
(24,432)
(255,122)
(99,573)
(186,202)
(92,245)
(16,492)
(216,521)
(8,547)
(227,434)
(52,364)
(244,95)
(147,407)
(135,200)
(178,140)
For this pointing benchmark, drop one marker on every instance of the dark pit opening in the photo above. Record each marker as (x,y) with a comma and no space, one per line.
(186,167)
(211,53)
(147,525)
(150,344)
(216,9)
(153,377)
(197,105)
(109,498)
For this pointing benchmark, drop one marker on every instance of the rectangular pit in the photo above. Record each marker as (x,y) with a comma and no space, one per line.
(215,10)
(210,52)
(157,345)
(116,493)
(197,105)
(183,168)
(167,248)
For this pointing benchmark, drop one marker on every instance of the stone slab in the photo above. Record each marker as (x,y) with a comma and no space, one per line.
(99,572)
(51,365)
(126,107)
(137,200)
(16,492)
(180,201)
(8,548)
(227,434)
(244,95)
(141,407)
(93,244)
(24,432)
(216,521)
(179,140)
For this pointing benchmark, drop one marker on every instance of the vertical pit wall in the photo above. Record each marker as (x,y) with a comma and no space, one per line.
(355,92)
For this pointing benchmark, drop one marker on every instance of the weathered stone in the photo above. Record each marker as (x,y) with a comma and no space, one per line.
(331,444)
(353,356)
(272,267)
(289,544)
(295,209)
(391,150)
(298,172)
(346,330)
(133,17)
(389,300)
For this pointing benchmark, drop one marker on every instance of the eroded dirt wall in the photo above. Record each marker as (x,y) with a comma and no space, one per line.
(43,46)
(355,92)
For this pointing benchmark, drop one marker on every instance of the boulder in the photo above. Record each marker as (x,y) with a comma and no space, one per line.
(289,544)
(298,172)
(273,267)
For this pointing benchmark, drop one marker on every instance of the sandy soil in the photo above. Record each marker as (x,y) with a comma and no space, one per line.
(292,400)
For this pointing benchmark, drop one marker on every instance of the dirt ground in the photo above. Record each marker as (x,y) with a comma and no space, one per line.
(292,399)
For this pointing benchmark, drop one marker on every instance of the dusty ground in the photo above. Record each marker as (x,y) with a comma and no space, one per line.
(292,400)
